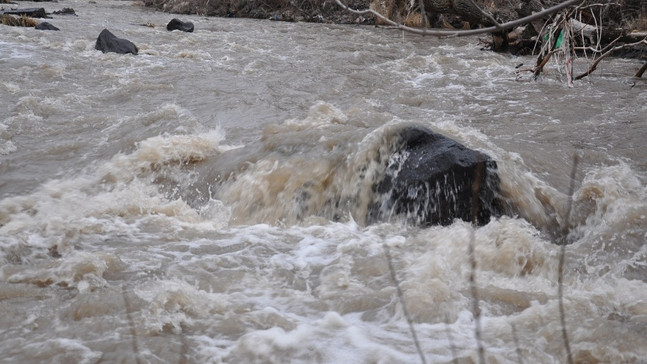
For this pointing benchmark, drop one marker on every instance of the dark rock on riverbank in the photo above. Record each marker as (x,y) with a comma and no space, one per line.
(108,42)
(177,24)
(30,12)
(431,179)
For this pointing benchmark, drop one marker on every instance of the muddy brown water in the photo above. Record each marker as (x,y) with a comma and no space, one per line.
(175,206)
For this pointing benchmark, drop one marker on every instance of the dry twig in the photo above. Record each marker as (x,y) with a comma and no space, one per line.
(594,66)
(450,338)
(562,259)
(516,344)
(642,70)
(131,324)
(476,309)
(389,260)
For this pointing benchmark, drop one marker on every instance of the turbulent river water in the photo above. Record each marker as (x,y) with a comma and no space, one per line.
(205,200)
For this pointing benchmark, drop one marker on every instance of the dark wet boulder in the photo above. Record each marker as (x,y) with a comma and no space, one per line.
(177,24)
(108,42)
(46,26)
(432,180)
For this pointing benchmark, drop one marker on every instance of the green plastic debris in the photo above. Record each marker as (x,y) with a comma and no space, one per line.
(560,38)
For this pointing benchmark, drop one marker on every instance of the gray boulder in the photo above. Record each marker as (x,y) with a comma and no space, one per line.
(108,42)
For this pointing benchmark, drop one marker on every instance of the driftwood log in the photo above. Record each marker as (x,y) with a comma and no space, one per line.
(30,12)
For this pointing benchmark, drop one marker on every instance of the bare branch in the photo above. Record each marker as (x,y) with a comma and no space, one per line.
(562,259)
(450,338)
(423,17)
(609,49)
(642,70)
(542,62)
(548,50)
(516,344)
(463,33)
(131,324)
(387,253)
(476,309)
(584,7)
(487,15)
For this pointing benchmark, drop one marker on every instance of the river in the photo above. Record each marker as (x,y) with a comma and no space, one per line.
(204,201)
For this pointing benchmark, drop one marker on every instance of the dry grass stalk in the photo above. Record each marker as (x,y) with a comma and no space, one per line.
(516,344)
(450,338)
(22,21)
(562,259)
(131,324)
(396,282)
(476,308)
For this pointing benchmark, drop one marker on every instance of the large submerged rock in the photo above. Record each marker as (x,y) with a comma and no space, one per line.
(433,180)
(177,24)
(108,42)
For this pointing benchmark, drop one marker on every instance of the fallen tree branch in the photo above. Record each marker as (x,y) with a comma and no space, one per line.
(610,49)
(642,70)
(540,65)
(599,5)
(463,33)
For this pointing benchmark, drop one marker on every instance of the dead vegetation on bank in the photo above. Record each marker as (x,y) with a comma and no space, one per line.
(20,21)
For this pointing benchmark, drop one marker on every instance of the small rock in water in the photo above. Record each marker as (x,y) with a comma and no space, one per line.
(46,26)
